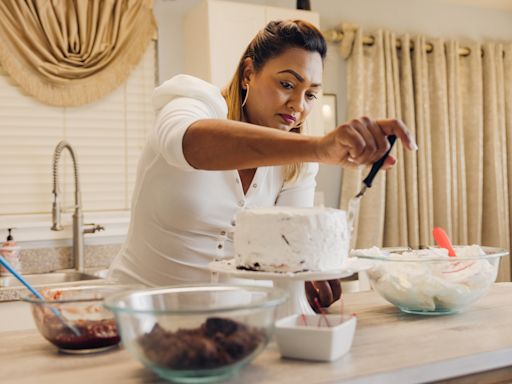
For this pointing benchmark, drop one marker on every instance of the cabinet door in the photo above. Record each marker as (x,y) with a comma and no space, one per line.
(232,27)
(274,13)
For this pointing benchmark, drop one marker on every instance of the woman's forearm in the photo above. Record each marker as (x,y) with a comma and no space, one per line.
(224,144)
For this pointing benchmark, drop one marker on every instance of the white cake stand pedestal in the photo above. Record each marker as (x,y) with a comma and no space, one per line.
(292,283)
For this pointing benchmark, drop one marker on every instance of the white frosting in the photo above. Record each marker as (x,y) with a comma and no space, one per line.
(432,285)
(286,239)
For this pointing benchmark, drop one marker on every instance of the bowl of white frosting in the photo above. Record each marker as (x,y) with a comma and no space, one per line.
(428,281)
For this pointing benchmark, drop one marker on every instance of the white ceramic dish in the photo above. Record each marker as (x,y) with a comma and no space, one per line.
(311,337)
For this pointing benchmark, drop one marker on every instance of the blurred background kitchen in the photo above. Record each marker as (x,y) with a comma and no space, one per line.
(442,66)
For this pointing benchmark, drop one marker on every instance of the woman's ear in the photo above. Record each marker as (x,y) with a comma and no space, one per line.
(247,72)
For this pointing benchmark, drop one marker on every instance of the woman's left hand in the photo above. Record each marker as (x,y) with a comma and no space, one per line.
(325,292)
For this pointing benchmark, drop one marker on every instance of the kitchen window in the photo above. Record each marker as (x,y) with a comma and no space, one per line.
(107,135)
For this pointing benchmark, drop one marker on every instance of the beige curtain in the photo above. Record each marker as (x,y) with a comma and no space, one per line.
(73,52)
(460,109)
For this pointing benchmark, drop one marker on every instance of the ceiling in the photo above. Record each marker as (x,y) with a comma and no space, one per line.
(503,5)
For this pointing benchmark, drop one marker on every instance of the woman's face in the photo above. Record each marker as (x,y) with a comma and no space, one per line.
(284,90)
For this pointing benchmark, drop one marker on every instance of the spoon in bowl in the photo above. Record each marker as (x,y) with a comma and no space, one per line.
(32,290)
(442,239)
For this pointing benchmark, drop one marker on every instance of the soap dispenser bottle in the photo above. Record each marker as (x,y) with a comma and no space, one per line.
(11,252)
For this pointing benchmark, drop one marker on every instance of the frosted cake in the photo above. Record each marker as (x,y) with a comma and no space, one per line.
(287,239)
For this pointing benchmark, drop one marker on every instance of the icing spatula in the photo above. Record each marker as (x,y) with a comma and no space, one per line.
(368,180)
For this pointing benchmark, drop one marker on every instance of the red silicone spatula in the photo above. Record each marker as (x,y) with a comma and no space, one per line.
(443,240)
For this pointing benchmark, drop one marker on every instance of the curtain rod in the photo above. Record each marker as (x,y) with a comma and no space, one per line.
(335,36)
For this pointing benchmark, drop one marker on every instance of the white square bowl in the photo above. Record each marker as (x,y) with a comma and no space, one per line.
(313,339)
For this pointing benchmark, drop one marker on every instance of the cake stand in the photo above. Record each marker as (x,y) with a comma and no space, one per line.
(291,282)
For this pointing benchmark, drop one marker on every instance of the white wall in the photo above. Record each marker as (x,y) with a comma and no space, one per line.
(436,18)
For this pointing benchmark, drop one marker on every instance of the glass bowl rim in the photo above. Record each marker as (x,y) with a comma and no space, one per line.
(490,253)
(279,296)
(30,298)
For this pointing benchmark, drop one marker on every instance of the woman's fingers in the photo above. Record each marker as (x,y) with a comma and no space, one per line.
(366,140)
(380,139)
(326,292)
(311,294)
(398,128)
(336,289)
(325,296)
(389,162)
(352,139)
(370,142)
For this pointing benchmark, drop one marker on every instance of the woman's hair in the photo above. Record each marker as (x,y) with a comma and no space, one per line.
(270,42)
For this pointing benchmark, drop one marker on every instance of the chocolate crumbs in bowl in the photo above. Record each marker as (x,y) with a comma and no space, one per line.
(216,343)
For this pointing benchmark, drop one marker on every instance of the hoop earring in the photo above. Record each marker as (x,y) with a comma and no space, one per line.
(300,127)
(246,96)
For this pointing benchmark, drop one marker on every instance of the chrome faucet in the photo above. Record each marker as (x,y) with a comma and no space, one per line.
(78,225)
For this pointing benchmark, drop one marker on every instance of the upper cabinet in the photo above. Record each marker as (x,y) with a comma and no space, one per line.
(216,34)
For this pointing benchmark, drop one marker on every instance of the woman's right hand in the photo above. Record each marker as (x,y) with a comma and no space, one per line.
(363,142)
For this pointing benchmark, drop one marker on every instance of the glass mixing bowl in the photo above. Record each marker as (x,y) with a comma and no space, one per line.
(428,281)
(82,307)
(196,333)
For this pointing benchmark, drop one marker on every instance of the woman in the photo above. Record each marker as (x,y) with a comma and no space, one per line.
(199,168)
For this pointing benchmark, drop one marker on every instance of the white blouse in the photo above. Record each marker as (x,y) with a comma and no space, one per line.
(183,218)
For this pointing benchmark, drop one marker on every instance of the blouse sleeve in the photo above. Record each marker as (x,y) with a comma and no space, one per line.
(171,124)
(300,193)
(179,102)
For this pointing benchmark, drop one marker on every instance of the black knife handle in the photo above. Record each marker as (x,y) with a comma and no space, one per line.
(378,164)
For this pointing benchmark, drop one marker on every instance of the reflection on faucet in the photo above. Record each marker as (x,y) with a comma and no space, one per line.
(78,225)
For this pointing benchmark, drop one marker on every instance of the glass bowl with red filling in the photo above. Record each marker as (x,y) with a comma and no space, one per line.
(196,333)
(93,327)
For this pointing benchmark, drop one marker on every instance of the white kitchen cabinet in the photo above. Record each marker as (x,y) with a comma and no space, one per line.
(216,34)
(15,316)
(274,13)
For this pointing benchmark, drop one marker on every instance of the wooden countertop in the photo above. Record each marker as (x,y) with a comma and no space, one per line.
(389,347)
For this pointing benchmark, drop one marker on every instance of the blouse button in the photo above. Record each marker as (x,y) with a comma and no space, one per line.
(223,233)
(241,203)
(233,223)
(219,246)
(255,185)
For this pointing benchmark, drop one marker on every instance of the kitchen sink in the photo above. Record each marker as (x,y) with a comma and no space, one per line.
(46,279)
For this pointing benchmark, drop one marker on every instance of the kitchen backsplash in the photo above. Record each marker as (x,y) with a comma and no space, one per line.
(42,260)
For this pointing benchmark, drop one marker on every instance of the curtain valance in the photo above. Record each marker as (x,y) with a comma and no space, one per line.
(73,52)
